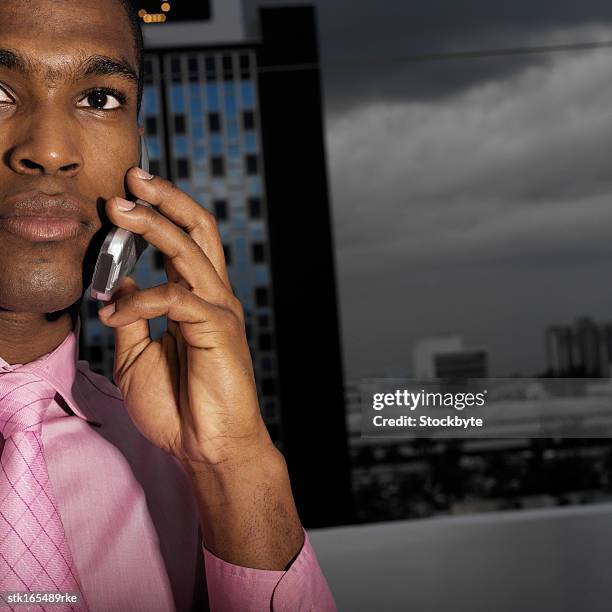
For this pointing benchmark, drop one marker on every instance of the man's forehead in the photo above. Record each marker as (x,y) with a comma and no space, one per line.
(54,38)
(66,66)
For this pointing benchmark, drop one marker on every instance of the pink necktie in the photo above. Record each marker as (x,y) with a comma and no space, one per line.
(34,553)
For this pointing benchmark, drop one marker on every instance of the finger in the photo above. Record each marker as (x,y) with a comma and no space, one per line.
(177,206)
(133,334)
(188,259)
(178,304)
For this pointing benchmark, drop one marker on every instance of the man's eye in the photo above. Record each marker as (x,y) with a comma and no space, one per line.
(5,98)
(100,100)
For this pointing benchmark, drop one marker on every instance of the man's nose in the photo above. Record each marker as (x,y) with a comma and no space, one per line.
(47,146)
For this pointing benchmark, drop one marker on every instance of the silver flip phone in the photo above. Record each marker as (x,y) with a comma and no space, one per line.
(120,251)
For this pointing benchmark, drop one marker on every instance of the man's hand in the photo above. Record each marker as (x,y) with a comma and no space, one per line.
(193,393)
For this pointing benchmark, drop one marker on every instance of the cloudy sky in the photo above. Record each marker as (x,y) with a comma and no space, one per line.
(469,197)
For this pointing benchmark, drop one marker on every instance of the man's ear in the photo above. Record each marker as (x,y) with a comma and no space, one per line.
(141,130)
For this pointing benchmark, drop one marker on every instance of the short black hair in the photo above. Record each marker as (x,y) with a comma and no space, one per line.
(132,12)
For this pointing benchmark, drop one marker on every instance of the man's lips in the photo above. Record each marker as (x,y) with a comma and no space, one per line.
(41,229)
(40,217)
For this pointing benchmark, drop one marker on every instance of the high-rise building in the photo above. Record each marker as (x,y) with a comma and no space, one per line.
(559,348)
(583,349)
(425,350)
(445,357)
(466,363)
(232,112)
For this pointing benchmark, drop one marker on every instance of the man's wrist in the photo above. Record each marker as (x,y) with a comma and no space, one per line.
(247,513)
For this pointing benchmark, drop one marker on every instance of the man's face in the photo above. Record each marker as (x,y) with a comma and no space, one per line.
(68,132)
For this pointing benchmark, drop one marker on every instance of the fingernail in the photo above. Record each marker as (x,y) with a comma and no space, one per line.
(143,174)
(107,310)
(125,205)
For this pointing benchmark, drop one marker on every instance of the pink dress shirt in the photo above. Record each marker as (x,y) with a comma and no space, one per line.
(130,516)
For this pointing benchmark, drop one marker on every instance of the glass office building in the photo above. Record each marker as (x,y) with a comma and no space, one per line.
(201,120)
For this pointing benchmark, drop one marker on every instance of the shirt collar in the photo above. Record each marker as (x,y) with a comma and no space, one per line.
(59,368)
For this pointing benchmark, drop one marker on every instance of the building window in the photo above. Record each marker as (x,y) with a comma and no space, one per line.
(228,68)
(179,124)
(258,252)
(274,431)
(158,259)
(217,166)
(182,167)
(254,208)
(220,210)
(192,68)
(212,94)
(227,252)
(251,164)
(233,152)
(268,386)
(211,68)
(231,127)
(177,98)
(151,125)
(154,166)
(230,98)
(175,69)
(250,142)
(269,411)
(265,342)
(149,100)
(95,353)
(261,296)
(263,320)
(148,68)
(244,65)
(214,122)
(180,146)
(216,144)
(248,120)
(267,364)
(92,309)
(246,88)
(199,154)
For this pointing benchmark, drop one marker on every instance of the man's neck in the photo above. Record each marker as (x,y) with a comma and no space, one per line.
(25,337)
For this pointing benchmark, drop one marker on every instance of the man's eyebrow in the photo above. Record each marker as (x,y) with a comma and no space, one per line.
(13,61)
(93,65)
(104,65)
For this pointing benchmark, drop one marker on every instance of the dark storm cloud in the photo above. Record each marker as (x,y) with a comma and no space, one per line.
(497,161)
(378,34)
(484,214)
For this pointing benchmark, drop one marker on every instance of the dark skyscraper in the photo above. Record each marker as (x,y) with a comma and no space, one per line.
(303,267)
(583,349)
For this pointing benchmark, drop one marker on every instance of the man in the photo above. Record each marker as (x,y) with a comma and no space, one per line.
(141,495)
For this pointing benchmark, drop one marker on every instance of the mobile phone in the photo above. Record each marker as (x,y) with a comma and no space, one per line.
(120,251)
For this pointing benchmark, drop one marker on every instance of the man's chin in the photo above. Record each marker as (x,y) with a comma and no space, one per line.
(42,299)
